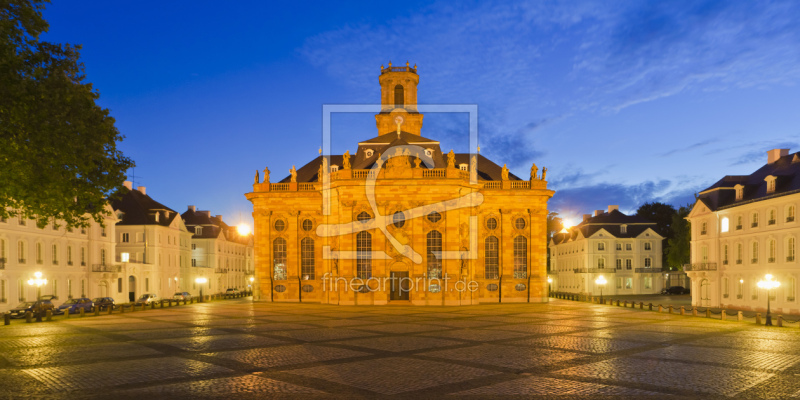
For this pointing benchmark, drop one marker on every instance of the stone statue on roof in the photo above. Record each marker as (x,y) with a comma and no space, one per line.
(544,173)
(257,179)
(266,175)
(451,159)
(293,172)
(346,160)
(504,173)
(534,171)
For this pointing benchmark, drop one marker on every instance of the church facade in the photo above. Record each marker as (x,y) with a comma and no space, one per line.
(400,221)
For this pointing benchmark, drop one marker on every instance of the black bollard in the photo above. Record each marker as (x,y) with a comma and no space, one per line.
(6,319)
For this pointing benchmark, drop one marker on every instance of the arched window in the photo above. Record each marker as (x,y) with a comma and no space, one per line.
(790,249)
(279,258)
(521,257)
(755,252)
(21,252)
(491,258)
(739,223)
(601,262)
(739,253)
(364,255)
(55,254)
(399,96)
(723,227)
(754,223)
(771,249)
(771,220)
(3,251)
(103,256)
(704,228)
(399,219)
(790,214)
(725,254)
(434,254)
(307,258)
(39,255)
(791,287)
(363,217)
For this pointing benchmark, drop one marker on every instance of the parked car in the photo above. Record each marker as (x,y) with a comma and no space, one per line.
(182,296)
(231,292)
(73,306)
(675,290)
(105,303)
(146,298)
(32,306)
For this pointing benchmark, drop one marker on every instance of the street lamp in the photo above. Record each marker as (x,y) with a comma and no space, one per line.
(768,284)
(600,281)
(38,282)
(549,283)
(201,281)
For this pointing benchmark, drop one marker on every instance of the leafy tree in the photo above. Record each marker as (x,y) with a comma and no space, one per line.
(678,253)
(661,214)
(58,155)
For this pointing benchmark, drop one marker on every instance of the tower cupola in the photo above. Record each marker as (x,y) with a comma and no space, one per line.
(399,98)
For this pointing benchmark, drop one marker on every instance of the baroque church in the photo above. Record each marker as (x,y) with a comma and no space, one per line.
(401,221)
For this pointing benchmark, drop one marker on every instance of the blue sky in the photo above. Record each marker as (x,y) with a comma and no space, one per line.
(623,102)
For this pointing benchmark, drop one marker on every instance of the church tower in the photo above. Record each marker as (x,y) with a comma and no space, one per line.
(399,98)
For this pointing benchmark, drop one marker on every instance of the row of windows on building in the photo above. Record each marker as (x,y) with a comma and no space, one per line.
(399,221)
(788,288)
(771,252)
(24,222)
(22,253)
(622,283)
(626,263)
(433,257)
(125,237)
(772,219)
(601,246)
(238,265)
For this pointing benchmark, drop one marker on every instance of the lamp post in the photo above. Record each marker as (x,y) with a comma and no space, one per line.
(549,283)
(201,281)
(601,282)
(768,284)
(251,284)
(38,282)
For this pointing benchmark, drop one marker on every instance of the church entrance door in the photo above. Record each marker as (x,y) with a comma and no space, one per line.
(400,284)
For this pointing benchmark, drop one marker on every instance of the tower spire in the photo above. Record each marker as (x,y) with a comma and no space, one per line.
(399,98)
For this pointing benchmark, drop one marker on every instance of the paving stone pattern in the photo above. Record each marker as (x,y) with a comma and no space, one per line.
(240,349)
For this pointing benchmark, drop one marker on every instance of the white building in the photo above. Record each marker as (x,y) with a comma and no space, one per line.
(625,250)
(744,227)
(219,253)
(72,260)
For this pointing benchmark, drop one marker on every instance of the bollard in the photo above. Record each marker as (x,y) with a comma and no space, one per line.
(66,312)
(110,310)
(724,315)
(96,310)
(641,305)
(6,319)
(143,306)
(739,316)
(780,320)
(122,309)
(39,316)
(670,308)
(660,309)
(617,303)
(28,317)
(49,315)
(708,313)
(650,306)
(152,305)
(683,310)
(694,311)
(625,304)
(758,318)
(83,312)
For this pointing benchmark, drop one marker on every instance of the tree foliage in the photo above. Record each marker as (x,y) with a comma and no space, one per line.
(58,155)
(661,214)
(678,253)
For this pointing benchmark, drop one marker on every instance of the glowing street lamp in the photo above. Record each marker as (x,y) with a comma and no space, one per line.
(549,283)
(243,229)
(38,281)
(601,282)
(768,284)
(201,281)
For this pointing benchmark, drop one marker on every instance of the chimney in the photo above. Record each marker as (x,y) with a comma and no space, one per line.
(142,190)
(206,213)
(219,217)
(128,184)
(775,154)
(586,217)
(613,208)
(598,212)
(192,208)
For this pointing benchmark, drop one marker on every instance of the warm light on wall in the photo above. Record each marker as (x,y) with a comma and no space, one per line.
(125,257)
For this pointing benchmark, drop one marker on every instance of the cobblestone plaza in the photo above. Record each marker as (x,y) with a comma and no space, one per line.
(240,349)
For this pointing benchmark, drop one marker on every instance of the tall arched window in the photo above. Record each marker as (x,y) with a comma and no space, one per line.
(434,254)
(103,256)
(279,258)
(307,258)
(21,252)
(491,258)
(739,253)
(755,252)
(790,249)
(521,257)
(399,96)
(364,255)
(3,252)
(725,254)
(790,214)
(771,249)
(39,255)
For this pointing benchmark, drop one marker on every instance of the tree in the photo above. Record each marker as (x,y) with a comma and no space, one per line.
(58,155)
(678,253)
(661,214)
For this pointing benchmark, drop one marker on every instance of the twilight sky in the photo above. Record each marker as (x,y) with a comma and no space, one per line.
(623,102)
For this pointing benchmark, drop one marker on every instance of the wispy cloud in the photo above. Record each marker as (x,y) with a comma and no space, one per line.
(690,147)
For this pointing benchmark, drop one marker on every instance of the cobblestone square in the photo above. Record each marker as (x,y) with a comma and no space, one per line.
(243,349)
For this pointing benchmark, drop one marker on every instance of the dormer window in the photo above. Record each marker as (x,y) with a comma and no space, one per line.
(156,215)
(198,230)
(428,152)
(369,152)
(739,191)
(623,228)
(463,167)
(334,168)
(770,179)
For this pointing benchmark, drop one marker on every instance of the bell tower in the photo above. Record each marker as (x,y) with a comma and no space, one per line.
(399,98)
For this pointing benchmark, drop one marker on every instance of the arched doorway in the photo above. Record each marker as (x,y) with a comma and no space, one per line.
(704,299)
(132,288)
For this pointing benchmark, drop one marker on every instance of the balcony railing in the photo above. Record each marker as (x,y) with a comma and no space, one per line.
(594,270)
(738,262)
(2,263)
(220,270)
(754,261)
(725,262)
(21,260)
(106,268)
(738,296)
(771,260)
(118,258)
(707,266)
(754,225)
(789,219)
(648,270)
(738,227)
